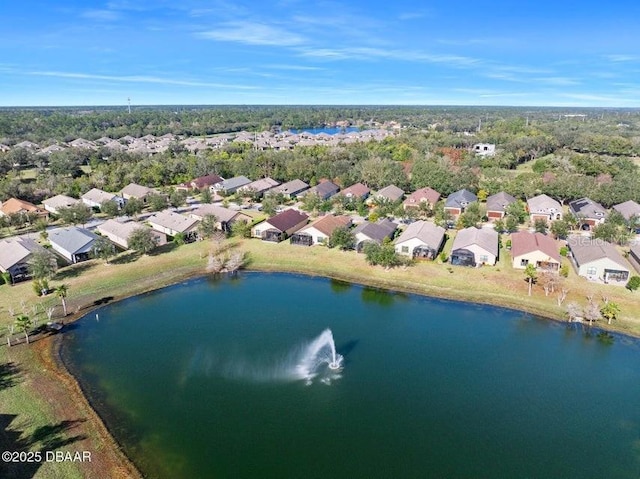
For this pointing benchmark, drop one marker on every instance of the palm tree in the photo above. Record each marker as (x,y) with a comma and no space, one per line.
(531,275)
(23,323)
(62,291)
(610,311)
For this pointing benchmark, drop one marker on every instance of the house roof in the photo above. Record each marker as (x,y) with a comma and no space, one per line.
(291,187)
(327,224)
(287,219)
(325,188)
(14,205)
(423,194)
(136,191)
(204,181)
(376,231)
(460,199)
(499,201)
(429,233)
(586,250)
(486,238)
(391,193)
(628,209)
(16,250)
(358,190)
(524,242)
(223,215)
(98,196)
(587,208)
(173,221)
(260,185)
(543,204)
(71,239)
(60,201)
(118,229)
(235,182)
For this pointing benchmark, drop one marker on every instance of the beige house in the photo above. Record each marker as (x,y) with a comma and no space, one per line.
(534,248)
(119,233)
(58,202)
(224,216)
(320,231)
(421,240)
(171,223)
(475,247)
(598,260)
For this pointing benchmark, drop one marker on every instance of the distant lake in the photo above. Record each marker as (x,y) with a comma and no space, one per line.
(204,380)
(328,131)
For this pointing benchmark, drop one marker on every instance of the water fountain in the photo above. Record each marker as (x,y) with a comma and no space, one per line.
(320,352)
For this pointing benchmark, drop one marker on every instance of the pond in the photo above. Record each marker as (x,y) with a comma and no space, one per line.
(229,378)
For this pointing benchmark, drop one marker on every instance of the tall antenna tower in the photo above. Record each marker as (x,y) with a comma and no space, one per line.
(129,105)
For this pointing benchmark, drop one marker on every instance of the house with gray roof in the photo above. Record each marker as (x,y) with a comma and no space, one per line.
(15,254)
(230,186)
(389,193)
(95,197)
(373,232)
(588,212)
(543,207)
(457,202)
(634,257)
(290,189)
(598,260)
(475,247)
(258,187)
(133,190)
(172,224)
(497,205)
(629,209)
(119,232)
(58,202)
(325,190)
(225,217)
(420,240)
(72,243)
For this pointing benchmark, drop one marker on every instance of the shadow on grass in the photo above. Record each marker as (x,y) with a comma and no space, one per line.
(44,438)
(72,271)
(10,375)
(165,248)
(125,258)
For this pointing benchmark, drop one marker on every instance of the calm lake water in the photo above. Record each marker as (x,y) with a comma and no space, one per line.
(199,380)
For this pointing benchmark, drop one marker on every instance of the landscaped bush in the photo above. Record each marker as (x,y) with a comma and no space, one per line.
(633,283)
(564,251)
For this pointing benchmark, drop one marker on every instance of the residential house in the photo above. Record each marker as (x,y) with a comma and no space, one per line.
(258,187)
(290,190)
(225,217)
(634,257)
(119,233)
(389,193)
(325,190)
(58,202)
(588,212)
(629,210)
(200,183)
(320,231)
(424,196)
(172,224)
(497,205)
(373,232)
(15,254)
(133,190)
(598,260)
(456,203)
(230,186)
(475,247)
(281,226)
(543,207)
(14,205)
(534,248)
(95,197)
(484,149)
(421,240)
(72,243)
(355,192)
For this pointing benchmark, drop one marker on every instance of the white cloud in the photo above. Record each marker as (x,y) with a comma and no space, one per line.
(253,33)
(622,58)
(101,15)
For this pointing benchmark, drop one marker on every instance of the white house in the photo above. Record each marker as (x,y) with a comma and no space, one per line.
(320,231)
(598,260)
(58,202)
(475,247)
(72,243)
(171,223)
(95,197)
(421,240)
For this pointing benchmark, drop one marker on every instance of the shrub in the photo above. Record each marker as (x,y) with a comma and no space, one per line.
(564,270)
(564,251)
(633,283)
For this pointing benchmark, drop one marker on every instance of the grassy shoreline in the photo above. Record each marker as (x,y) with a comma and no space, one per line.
(45,393)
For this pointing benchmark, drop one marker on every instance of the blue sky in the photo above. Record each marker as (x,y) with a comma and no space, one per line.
(64,52)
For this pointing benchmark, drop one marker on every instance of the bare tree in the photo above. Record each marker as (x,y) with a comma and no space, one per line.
(235,262)
(562,295)
(215,263)
(591,311)
(574,312)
